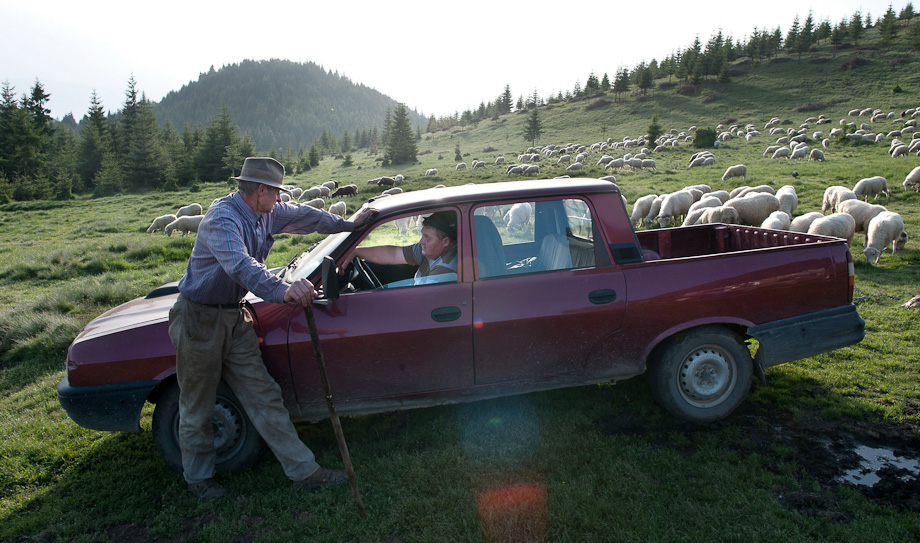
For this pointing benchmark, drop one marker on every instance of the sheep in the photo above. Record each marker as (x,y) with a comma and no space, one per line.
(564,158)
(871,186)
(771,149)
(347,190)
(574,166)
(610,178)
(604,160)
(386,181)
(531,168)
(394,190)
(189,210)
(778,220)
(788,199)
(399,178)
(833,195)
(759,188)
(518,217)
(755,208)
(913,179)
(839,225)
(499,160)
(738,170)
(431,172)
(706,201)
(782,152)
(318,203)
(721,214)
(311,193)
(184,224)
(653,211)
(461,166)
(641,208)
(338,208)
(616,163)
(799,152)
(296,192)
(816,155)
(285,197)
(885,228)
(801,223)
(862,212)
(515,169)
(324,191)
(160,223)
(825,143)
(648,163)
(674,205)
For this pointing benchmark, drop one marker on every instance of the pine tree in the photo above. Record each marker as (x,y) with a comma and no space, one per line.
(401,148)
(621,83)
(888,28)
(504,102)
(125,127)
(219,134)
(533,127)
(654,129)
(855,28)
(346,142)
(143,164)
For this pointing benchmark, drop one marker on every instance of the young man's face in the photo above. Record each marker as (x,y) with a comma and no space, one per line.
(432,245)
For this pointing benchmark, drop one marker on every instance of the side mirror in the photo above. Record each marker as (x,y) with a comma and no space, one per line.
(330,279)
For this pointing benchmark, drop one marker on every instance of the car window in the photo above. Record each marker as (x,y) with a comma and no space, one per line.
(524,237)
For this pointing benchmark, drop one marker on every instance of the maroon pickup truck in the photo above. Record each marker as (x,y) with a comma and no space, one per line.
(553,289)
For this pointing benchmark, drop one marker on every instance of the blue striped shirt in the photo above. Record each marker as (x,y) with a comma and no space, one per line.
(233,241)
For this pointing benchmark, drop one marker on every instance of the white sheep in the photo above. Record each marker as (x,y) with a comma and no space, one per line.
(749,190)
(390,192)
(184,224)
(461,166)
(296,192)
(738,170)
(518,217)
(674,205)
(802,222)
(913,179)
(653,211)
(754,208)
(721,214)
(338,208)
(318,203)
(885,228)
(160,223)
(648,164)
(499,160)
(617,163)
(189,210)
(574,166)
(862,212)
(311,193)
(778,220)
(708,200)
(871,186)
(431,172)
(782,152)
(799,152)
(531,168)
(839,225)
(833,195)
(816,155)
(788,199)
(641,208)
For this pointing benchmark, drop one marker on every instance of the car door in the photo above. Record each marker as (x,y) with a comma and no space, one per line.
(550,301)
(387,343)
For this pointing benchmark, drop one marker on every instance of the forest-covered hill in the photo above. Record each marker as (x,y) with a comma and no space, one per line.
(280,103)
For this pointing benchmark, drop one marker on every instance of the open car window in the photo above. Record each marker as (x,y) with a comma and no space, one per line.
(536,236)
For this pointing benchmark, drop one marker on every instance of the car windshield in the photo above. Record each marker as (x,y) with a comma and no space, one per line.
(304,265)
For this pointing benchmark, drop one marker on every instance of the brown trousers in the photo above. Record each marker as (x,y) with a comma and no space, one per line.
(213,343)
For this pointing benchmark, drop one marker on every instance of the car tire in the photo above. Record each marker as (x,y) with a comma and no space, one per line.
(701,375)
(238,444)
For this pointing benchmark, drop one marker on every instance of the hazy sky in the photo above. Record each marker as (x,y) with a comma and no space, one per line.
(436,57)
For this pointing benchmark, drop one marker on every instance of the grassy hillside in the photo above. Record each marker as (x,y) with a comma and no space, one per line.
(606,458)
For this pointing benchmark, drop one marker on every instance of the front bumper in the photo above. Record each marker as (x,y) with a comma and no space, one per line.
(115,408)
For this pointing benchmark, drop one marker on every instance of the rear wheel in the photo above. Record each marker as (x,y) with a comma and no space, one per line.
(701,375)
(236,442)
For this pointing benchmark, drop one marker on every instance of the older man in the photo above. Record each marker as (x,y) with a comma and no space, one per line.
(213,332)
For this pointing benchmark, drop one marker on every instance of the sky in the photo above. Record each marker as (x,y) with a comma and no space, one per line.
(438,58)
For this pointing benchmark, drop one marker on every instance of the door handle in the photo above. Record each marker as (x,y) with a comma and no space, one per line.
(603,296)
(445,314)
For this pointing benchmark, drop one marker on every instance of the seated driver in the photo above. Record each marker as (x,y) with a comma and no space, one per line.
(435,254)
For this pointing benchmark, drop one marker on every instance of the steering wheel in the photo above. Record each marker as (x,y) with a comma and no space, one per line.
(366,273)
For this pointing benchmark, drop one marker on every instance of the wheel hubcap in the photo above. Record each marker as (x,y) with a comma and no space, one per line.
(707,377)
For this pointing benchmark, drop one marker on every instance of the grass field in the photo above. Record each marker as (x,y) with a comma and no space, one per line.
(597,463)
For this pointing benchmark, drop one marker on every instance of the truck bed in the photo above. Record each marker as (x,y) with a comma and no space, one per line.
(710,239)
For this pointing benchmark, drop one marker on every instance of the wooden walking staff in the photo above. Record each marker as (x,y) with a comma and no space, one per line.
(336,425)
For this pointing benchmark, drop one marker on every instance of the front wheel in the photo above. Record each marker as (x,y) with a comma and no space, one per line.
(701,375)
(236,442)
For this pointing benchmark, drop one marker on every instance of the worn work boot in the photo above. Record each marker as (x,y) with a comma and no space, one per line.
(207,489)
(323,477)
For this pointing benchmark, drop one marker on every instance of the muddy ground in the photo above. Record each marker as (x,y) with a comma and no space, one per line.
(825,450)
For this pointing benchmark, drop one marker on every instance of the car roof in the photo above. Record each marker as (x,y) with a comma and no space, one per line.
(484,192)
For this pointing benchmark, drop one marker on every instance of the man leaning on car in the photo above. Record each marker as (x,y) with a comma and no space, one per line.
(213,332)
